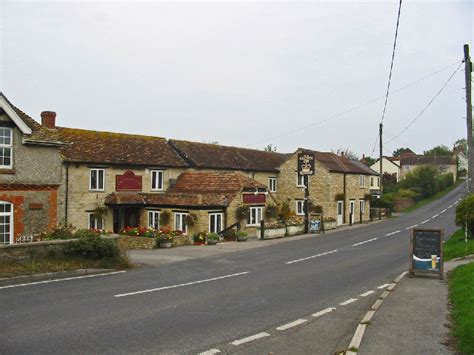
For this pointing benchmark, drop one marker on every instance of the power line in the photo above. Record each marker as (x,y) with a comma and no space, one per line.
(392,61)
(427,105)
(358,107)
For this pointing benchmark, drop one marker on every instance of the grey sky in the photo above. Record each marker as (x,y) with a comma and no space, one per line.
(239,73)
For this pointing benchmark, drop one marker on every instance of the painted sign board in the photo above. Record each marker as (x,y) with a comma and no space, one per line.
(305,164)
(315,223)
(252,198)
(426,251)
(128,182)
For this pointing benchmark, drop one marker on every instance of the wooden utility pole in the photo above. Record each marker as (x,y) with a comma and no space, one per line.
(381,159)
(470,143)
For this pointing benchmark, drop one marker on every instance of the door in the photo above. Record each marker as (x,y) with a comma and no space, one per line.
(352,211)
(132,217)
(340,209)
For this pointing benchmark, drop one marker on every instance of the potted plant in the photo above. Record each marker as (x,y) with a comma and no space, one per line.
(340,197)
(191,219)
(212,238)
(271,211)
(241,236)
(165,241)
(199,238)
(242,212)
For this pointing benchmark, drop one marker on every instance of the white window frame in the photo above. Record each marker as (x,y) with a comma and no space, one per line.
(11,222)
(93,222)
(215,216)
(362,206)
(154,219)
(98,187)
(362,181)
(8,146)
(157,177)
(299,207)
(272,184)
(300,180)
(254,219)
(181,218)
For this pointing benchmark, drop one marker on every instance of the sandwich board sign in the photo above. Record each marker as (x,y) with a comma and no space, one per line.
(426,251)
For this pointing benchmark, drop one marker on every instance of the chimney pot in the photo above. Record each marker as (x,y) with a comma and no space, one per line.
(48,119)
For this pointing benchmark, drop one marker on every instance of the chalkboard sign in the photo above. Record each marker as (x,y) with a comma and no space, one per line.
(426,251)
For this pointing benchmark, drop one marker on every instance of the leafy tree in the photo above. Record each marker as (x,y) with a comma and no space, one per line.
(422,180)
(461,143)
(440,150)
(270,148)
(465,214)
(369,161)
(399,151)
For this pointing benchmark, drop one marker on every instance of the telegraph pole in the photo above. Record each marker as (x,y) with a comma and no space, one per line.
(381,158)
(470,143)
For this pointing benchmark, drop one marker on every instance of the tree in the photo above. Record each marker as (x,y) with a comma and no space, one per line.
(439,150)
(399,151)
(465,214)
(270,148)
(347,153)
(422,180)
(369,161)
(461,144)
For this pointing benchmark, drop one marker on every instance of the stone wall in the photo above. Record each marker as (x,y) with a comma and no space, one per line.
(401,203)
(129,242)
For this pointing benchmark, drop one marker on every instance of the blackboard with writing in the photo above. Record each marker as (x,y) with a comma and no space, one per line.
(427,251)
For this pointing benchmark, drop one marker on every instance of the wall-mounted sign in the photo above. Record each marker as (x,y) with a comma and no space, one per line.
(252,198)
(128,182)
(426,251)
(305,164)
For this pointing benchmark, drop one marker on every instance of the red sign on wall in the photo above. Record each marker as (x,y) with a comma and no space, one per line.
(252,198)
(128,182)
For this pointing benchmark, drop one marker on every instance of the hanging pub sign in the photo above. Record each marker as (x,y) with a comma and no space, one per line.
(305,164)
(426,251)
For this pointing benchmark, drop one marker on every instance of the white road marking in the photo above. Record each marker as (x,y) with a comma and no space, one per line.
(425,221)
(181,285)
(323,312)
(292,324)
(367,293)
(450,206)
(436,215)
(383,286)
(250,338)
(364,242)
(444,210)
(349,301)
(413,226)
(210,352)
(389,234)
(311,257)
(60,280)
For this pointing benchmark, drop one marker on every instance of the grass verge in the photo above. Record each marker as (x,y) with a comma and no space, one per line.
(13,268)
(432,198)
(461,284)
(455,246)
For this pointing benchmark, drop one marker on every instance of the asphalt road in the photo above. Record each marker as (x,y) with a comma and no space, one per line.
(195,305)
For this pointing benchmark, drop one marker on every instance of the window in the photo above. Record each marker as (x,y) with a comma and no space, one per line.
(272,184)
(300,180)
(215,222)
(95,223)
(378,182)
(157,180)
(255,216)
(97,179)
(362,180)
(362,206)
(5,147)
(372,181)
(6,219)
(180,222)
(300,207)
(154,219)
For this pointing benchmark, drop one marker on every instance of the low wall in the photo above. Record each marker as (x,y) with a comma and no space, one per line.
(401,203)
(126,242)
(182,240)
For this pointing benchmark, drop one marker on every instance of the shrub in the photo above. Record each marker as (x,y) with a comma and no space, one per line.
(165,217)
(242,212)
(406,193)
(241,234)
(191,219)
(422,179)
(465,213)
(165,238)
(199,237)
(212,236)
(229,234)
(62,231)
(271,211)
(284,212)
(92,246)
(139,232)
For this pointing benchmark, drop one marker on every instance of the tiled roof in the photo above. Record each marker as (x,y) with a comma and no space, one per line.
(118,148)
(363,166)
(203,155)
(338,164)
(412,159)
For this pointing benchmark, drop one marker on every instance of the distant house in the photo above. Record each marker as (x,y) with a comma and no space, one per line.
(390,165)
(461,159)
(444,164)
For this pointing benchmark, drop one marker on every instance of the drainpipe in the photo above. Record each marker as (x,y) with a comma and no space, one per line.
(345,198)
(67,194)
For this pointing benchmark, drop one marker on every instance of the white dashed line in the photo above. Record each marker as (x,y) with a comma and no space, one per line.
(389,234)
(61,280)
(349,301)
(182,285)
(292,324)
(425,221)
(436,215)
(413,226)
(323,312)
(450,206)
(367,293)
(364,242)
(444,210)
(383,286)
(210,352)
(311,257)
(250,338)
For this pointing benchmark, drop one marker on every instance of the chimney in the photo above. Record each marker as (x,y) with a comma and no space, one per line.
(48,119)
(342,154)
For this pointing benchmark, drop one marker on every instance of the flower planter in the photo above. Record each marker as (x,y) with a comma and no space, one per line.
(212,242)
(241,239)
(198,243)
(166,244)
(330,225)
(271,233)
(294,230)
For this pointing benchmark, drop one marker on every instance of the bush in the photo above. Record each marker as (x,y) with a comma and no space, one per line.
(406,193)
(271,211)
(92,246)
(229,234)
(199,237)
(165,217)
(62,231)
(212,236)
(443,181)
(242,212)
(241,234)
(465,213)
(422,179)
(284,212)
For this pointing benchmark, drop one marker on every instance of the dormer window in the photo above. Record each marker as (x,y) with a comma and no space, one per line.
(6,148)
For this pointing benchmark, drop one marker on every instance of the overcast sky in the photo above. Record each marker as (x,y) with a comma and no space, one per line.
(242,73)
